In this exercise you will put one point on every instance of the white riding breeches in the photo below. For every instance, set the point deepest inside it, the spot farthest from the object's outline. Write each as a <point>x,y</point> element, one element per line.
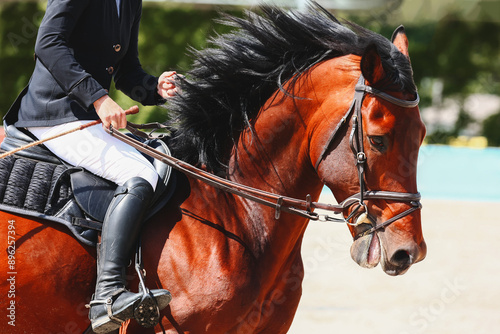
<point>98,152</point>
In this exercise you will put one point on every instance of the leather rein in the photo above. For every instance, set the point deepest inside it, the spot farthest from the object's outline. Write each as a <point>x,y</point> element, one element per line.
<point>303,208</point>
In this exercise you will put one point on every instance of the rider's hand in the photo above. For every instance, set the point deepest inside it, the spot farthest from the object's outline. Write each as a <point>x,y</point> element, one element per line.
<point>166,84</point>
<point>111,113</point>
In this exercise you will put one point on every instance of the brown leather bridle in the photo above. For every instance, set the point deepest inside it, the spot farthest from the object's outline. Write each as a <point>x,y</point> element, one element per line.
<point>303,208</point>
<point>356,144</point>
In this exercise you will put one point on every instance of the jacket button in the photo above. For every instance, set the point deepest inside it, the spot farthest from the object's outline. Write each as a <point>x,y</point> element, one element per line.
<point>110,70</point>
<point>117,47</point>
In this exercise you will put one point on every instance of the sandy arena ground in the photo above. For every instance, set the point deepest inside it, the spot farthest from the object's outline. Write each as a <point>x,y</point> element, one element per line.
<point>455,290</point>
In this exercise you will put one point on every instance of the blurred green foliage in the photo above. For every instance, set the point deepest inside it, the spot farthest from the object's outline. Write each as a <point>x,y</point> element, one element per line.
<point>491,129</point>
<point>464,54</point>
<point>18,27</point>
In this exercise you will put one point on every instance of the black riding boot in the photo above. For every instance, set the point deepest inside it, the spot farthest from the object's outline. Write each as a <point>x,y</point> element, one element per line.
<point>112,304</point>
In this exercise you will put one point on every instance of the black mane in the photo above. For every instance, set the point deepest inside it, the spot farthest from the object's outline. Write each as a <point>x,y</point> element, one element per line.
<point>231,81</point>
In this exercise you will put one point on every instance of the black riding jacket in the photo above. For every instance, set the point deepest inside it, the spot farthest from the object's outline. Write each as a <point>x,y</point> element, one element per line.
<point>81,45</point>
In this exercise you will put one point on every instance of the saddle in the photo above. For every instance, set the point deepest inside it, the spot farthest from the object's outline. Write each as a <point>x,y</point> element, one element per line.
<point>36,183</point>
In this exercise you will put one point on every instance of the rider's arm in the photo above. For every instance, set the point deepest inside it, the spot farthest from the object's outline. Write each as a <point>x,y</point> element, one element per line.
<point>53,51</point>
<point>130,78</point>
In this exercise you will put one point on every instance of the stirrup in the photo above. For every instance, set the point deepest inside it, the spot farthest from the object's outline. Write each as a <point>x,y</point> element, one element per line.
<point>147,312</point>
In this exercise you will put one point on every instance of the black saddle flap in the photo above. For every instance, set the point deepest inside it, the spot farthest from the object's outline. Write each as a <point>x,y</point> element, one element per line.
<point>92,193</point>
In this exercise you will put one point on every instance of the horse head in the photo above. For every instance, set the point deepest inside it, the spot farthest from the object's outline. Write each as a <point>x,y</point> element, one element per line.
<point>389,132</point>
<point>279,90</point>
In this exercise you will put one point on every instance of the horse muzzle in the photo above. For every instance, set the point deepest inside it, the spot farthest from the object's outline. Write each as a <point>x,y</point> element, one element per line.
<point>366,249</point>
<point>398,261</point>
<point>373,246</point>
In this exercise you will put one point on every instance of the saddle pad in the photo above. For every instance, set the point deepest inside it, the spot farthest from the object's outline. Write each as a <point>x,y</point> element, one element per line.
<point>43,190</point>
<point>67,195</point>
<point>31,184</point>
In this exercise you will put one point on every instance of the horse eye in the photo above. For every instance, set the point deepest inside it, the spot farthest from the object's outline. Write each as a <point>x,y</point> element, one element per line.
<point>377,142</point>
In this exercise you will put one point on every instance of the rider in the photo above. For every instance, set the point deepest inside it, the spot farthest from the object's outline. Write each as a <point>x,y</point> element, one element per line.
<point>82,45</point>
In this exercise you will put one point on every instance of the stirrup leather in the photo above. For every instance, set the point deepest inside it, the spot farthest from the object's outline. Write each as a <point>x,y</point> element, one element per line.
<point>147,313</point>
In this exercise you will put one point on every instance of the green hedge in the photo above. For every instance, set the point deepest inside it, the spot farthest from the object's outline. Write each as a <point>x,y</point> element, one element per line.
<point>18,26</point>
<point>491,129</point>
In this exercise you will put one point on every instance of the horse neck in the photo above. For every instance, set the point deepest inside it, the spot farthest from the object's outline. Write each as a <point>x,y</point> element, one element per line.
<point>274,158</point>
<point>275,155</point>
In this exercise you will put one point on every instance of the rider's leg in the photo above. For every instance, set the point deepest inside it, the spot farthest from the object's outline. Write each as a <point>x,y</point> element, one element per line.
<point>98,152</point>
<point>112,304</point>
<point>104,155</point>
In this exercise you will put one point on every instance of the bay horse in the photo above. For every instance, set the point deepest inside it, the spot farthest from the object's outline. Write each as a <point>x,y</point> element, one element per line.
<point>268,106</point>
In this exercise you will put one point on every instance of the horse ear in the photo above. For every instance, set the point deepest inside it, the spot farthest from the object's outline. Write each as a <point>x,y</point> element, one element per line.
<point>371,65</point>
<point>400,40</point>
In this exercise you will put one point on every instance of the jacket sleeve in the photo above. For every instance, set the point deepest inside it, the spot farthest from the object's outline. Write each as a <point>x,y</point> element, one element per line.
<point>130,77</point>
<point>53,52</point>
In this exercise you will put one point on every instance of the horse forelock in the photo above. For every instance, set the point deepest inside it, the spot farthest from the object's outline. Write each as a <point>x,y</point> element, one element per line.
<point>231,80</point>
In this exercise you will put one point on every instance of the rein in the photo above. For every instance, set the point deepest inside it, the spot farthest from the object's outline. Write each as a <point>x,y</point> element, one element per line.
<point>279,203</point>
<point>295,206</point>
<point>303,208</point>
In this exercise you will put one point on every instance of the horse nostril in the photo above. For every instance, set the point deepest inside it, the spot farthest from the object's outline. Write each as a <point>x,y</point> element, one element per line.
<point>402,258</point>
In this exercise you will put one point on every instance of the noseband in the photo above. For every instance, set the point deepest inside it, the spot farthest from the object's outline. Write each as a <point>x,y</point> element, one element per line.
<point>356,144</point>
